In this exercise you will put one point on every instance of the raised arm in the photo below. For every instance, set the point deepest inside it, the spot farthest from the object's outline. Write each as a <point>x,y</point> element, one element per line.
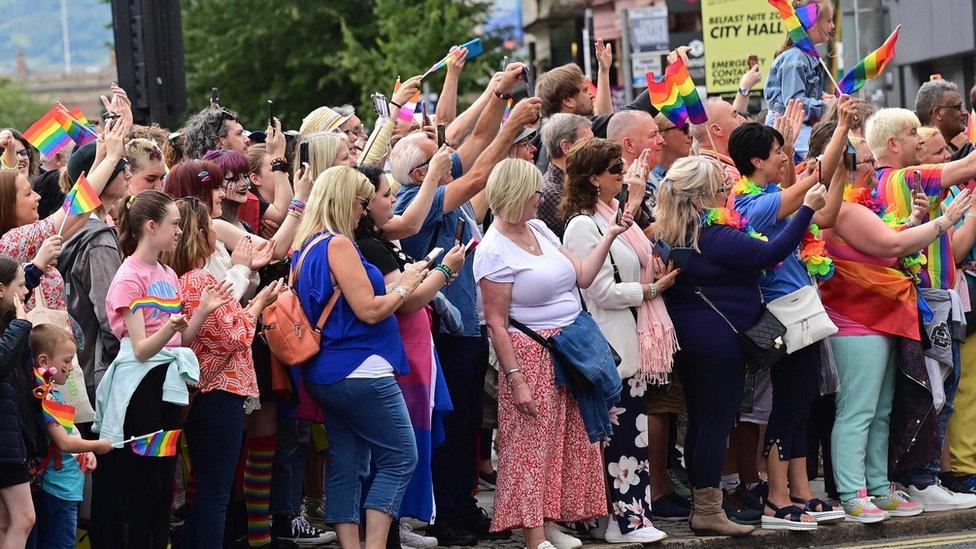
<point>347,268</point>
<point>487,126</point>
<point>964,237</point>
<point>959,171</point>
<point>749,79</point>
<point>459,129</point>
<point>283,193</point>
<point>407,224</point>
<point>603,103</point>
<point>581,238</point>
<point>464,188</point>
<point>588,267</point>
<point>447,102</point>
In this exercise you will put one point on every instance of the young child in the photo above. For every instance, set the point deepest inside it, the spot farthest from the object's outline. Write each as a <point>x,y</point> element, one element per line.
<point>62,474</point>
<point>16,511</point>
<point>145,388</point>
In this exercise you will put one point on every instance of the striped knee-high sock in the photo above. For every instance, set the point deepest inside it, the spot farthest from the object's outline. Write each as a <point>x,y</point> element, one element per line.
<point>257,489</point>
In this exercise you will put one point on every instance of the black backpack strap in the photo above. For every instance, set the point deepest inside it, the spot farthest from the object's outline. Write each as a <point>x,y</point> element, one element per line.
<point>529,332</point>
<point>613,264</point>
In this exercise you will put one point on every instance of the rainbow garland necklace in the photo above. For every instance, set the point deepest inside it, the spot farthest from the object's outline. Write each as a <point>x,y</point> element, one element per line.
<point>910,264</point>
<point>731,218</point>
<point>812,251</point>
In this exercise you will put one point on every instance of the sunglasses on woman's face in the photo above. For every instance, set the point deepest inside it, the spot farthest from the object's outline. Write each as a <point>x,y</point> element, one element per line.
<point>616,168</point>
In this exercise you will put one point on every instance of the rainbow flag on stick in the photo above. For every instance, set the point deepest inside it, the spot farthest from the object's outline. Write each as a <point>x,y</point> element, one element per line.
<point>410,107</point>
<point>158,444</point>
<point>78,115</point>
<point>794,27</point>
<point>871,66</point>
<point>665,98</point>
<point>81,199</point>
<point>47,134</point>
<point>677,72</point>
<point>807,15</point>
<point>52,410</point>
<point>80,133</point>
<point>172,306</point>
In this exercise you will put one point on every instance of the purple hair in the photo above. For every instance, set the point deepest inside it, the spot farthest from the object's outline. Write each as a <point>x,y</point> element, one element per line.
<point>228,161</point>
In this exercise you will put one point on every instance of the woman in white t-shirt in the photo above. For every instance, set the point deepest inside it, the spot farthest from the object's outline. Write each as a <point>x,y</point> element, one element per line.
<point>547,468</point>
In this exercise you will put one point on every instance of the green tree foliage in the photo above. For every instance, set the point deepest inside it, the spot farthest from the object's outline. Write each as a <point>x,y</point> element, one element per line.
<point>306,53</point>
<point>18,109</point>
<point>409,36</point>
<point>254,50</point>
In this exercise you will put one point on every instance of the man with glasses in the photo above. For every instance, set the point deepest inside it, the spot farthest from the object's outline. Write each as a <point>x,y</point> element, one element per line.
<point>677,144</point>
<point>523,147</point>
<point>939,104</point>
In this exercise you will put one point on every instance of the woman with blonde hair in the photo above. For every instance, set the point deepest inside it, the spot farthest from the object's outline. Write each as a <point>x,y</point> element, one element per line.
<point>352,378</point>
<point>548,469</point>
<point>715,297</point>
<point>326,150</point>
<point>625,301</point>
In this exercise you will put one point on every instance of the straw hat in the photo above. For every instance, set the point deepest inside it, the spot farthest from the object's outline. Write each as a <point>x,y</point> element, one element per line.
<point>322,119</point>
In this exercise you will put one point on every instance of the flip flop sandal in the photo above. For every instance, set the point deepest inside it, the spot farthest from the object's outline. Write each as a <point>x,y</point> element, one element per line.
<point>826,512</point>
<point>787,518</point>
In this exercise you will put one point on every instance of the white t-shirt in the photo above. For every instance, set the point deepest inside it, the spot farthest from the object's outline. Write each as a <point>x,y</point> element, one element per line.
<point>543,286</point>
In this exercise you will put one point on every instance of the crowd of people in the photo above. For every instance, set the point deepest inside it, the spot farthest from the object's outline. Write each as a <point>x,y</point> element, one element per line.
<point>540,282</point>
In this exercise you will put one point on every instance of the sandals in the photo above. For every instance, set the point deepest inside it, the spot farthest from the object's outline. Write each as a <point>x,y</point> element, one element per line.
<point>787,518</point>
<point>826,513</point>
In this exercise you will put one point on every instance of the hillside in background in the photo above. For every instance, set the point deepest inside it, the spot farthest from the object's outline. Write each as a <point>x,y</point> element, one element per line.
<point>34,27</point>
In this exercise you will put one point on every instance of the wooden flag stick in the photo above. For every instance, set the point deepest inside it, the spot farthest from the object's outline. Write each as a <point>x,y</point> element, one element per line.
<point>128,440</point>
<point>830,75</point>
<point>711,139</point>
<point>64,220</point>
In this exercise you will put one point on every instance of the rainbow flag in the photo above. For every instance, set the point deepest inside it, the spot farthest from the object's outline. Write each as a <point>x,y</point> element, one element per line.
<point>665,98</point>
<point>678,73</point>
<point>78,115</point>
<point>794,27</point>
<point>80,133</point>
<point>807,15</point>
<point>871,66</point>
<point>56,412</point>
<point>159,444</point>
<point>971,127</point>
<point>508,110</point>
<point>47,134</point>
<point>172,306</point>
<point>81,199</point>
<point>443,62</point>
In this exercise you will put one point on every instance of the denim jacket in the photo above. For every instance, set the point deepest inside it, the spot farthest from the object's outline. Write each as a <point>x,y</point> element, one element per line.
<point>796,75</point>
<point>593,359</point>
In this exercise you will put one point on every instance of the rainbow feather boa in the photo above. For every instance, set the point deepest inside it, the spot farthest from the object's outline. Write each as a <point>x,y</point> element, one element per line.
<point>812,251</point>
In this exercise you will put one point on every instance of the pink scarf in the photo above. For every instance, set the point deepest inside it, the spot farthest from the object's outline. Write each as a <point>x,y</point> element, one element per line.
<point>656,340</point>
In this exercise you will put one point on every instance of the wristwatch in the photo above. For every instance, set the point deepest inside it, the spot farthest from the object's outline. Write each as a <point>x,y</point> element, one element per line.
<point>744,91</point>
<point>503,96</point>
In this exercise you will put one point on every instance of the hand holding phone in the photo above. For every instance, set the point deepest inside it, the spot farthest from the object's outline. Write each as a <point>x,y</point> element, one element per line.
<point>752,60</point>
<point>431,258</point>
<point>441,136</point>
<point>470,246</point>
<point>662,250</point>
<point>271,123</point>
<point>917,181</point>
<point>458,232</point>
<point>303,152</point>
<point>622,198</point>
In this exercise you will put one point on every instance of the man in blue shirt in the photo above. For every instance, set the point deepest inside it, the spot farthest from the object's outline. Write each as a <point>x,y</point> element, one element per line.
<point>464,355</point>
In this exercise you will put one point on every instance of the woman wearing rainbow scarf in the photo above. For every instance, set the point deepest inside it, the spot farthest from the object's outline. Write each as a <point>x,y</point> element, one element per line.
<point>721,258</point>
<point>873,301</point>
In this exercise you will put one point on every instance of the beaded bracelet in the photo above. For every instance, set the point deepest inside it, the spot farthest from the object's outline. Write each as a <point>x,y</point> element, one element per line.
<point>296,205</point>
<point>446,271</point>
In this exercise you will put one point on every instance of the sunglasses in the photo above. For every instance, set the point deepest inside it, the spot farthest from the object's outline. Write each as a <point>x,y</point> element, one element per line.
<point>616,168</point>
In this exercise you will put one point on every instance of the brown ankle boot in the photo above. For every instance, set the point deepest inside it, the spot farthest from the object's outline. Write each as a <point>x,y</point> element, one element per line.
<point>708,518</point>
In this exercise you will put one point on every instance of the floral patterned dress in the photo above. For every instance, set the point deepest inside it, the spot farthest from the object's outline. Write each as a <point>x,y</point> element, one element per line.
<point>22,244</point>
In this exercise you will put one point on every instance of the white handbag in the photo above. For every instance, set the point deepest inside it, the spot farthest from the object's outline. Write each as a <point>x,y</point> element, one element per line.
<point>804,316</point>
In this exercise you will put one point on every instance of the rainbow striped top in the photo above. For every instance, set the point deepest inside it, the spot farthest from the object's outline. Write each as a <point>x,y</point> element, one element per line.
<point>896,194</point>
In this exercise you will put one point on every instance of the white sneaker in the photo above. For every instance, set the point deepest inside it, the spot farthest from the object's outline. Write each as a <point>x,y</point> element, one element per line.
<point>939,498</point>
<point>558,538</point>
<point>409,538</point>
<point>544,545</point>
<point>647,534</point>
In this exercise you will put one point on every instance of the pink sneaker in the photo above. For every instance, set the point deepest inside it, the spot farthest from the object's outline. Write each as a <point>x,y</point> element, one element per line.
<point>862,509</point>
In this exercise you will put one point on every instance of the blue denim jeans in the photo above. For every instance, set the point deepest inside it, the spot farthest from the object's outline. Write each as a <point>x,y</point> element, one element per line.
<point>928,474</point>
<point>367,421</point>
<point>57,522</point>
<point>288,467</point>
<point>214,433</point>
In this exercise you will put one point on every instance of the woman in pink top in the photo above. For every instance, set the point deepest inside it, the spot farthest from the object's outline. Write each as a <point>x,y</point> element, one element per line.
<point>872,300</point>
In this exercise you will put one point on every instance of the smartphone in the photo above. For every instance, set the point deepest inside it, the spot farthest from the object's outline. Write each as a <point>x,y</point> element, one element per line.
<point>475,48</point>
<point>441,136</point>
<point>752,60</point>
<point>303,153</point>
<point>470,246</point>
<point>431,258</point>
<point>850,157</point>
<point>505,62</point>
<point>917,183</point>
<point>214,95</point>
<point>680,257</point>
<point>662,250</point>
<point>423,112</point>
<point>458,232</point>
<point>622,198</point>
<point>529,84</point>
<point>271,123</point>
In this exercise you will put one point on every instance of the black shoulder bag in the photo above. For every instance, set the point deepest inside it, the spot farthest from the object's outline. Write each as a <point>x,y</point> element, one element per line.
<point>762,345</point>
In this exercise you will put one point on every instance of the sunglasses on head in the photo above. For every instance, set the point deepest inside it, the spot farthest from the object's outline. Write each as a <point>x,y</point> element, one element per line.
<point>616,168</point>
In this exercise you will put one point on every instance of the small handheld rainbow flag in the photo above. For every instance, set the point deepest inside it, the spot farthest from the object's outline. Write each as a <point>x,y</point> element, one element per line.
<point>158,444</point>
<point>47,134</point>
<point>52,410</point>
<point>677,72</point>
<point>80,133</point>
<point>665,98</point>
<point>807,15</point>
<point>794,27</point>
<point>78,115</point>
<point>172,306</point>
<point>508,110</point>
<point>871,66</point>
<point>81,199</point>
<point>443,62</point>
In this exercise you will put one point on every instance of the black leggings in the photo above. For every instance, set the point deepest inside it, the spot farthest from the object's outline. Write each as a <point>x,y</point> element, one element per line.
<point>794,381</point>
<point>713,389</point>
<point>132,494</point>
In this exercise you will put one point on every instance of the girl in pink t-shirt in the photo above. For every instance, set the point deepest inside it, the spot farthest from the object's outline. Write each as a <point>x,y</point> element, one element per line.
<point>144,309</point>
